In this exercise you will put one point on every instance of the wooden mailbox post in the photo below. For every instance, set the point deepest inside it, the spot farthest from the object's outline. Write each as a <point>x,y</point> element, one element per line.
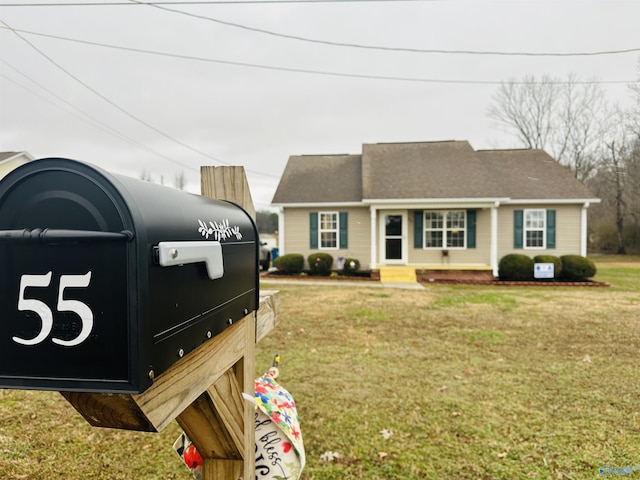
<point>202,391</point>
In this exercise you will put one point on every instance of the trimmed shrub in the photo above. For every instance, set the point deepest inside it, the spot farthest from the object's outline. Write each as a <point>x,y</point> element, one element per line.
<point>320,264</point>
<point>577,267</point>
<point>291,263</point>
<point>515,266</point>
<point>348,269</point>
<point>557,263</point>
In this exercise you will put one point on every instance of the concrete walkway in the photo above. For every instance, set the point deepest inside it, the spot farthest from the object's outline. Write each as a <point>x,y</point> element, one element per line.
<point>346,283</point>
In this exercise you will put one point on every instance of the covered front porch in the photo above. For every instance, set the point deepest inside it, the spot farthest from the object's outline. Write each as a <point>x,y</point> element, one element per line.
<point>401,238</point>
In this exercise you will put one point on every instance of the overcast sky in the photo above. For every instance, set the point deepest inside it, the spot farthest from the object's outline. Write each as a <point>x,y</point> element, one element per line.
<point>200,88</point>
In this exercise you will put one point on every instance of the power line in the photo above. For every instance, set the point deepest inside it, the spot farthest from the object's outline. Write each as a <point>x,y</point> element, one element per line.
<point>300,70</point>
<point>160,5</point>
<point>121,109</point>
<point>204,2</point>
<point>389,49</point>
<point>78,113</point>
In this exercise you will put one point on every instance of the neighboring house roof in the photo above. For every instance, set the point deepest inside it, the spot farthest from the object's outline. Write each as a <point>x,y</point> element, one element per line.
<point>427,170</point>
<point>12,160</point>
<point>8,156</point>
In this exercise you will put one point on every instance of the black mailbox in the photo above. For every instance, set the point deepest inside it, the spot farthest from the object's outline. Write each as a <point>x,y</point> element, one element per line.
<point>106,281</point>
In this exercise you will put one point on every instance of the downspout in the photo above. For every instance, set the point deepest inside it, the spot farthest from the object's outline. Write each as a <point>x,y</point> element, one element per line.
<point>494,239</point>
<point>374,242</point>
<point>583,233</point>
<point>281,231</point>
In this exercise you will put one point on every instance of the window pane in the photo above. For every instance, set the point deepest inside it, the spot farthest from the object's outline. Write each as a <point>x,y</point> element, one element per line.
<point>455,238</point>
<point>328,240</point>
<point>445,229</point>
<point>535,219</point>
<point>535,238</point>
<point>534,227</point>
<point>328,230</point>
<point>433,220</point>
<point>455,220</point>
<point>393,248</point>
<point>328,221</point>
<point>434,239</point>
<point>393,225</point>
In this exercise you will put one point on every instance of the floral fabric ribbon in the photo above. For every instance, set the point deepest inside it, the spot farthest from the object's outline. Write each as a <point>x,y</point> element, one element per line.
<point>279,446</point>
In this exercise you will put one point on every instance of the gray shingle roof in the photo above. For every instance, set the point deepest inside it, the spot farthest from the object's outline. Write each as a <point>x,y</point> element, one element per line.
<point>531,174</point>
<point>426,170</point>
<point>423,170</point>
<point>321,178</point>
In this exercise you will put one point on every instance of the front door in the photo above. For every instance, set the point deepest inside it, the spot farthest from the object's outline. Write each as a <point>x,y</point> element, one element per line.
<point>394,238</point>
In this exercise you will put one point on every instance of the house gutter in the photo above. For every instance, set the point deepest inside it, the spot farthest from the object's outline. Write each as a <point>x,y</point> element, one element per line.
<point>318,205</point>
<point>418,203</point>
<point>281,230</point>
<point>551,201</point>
<point>584,233</point>
<point>374,237</point>
<point>493,255</point>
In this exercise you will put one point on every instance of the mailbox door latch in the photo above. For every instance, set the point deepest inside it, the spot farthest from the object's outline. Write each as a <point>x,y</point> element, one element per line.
<point>181,253</point>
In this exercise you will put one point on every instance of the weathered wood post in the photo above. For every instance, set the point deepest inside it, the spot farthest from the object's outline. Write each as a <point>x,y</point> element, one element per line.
<point>202,390</point>
<point>228,445</point>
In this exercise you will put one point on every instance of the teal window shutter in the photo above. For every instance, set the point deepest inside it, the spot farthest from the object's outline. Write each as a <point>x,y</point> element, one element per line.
<point>313,230</point>
<point>418,228</point>
<point>344,230</point>
<point>518,228</point>
<point>471,229</point>
<point>551,229</point>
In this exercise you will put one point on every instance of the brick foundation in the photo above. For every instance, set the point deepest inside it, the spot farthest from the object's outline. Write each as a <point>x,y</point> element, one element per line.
<point>456,276</point>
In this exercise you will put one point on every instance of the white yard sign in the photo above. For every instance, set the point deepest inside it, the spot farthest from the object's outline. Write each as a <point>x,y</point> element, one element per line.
<point>543,270</point>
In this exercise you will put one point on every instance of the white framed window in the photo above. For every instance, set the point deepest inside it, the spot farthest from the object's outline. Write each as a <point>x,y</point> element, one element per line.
<point>445,229</point>
<point>535,228</point>
<point>433,231</point>
<point>328,229</point>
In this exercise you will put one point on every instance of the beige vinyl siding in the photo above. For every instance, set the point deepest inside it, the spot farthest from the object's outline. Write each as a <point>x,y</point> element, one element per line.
<point>296,233</point>
<point>481,255</point>
<point>568,230</point>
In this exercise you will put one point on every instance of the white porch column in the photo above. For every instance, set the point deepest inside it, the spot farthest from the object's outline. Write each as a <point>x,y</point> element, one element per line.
<point>583,228</point>
<point>374,237</point>
<point>494,239</point>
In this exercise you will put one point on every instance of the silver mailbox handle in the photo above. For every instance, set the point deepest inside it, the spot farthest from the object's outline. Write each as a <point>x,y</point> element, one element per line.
<point>180,253</point>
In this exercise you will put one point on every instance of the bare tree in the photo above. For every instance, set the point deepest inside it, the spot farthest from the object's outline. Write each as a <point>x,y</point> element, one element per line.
<point>633,176</point>
<point>633,168</point>
<point>525,109</point>
<point>632,124</point>
<point>146,176</point>
<point>633,114</point>
<point>584,121</point>
<point>180,181</point>
<point>567,118</point>
<point>618,175</point>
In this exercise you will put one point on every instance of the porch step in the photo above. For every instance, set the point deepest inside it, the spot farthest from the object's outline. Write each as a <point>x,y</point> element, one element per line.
<point>397,274</point>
